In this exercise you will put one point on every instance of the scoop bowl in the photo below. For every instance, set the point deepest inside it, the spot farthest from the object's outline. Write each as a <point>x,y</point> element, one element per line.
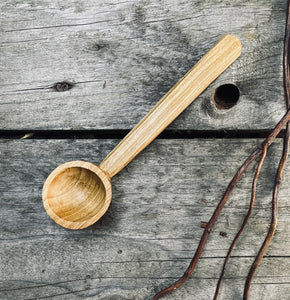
<point>77,194</point>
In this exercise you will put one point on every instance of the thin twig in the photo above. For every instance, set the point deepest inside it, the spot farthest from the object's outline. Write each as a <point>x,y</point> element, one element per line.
<point>253,195</point>
<point>274,220</point>
<point>281,166</point>
<point>256,153</point>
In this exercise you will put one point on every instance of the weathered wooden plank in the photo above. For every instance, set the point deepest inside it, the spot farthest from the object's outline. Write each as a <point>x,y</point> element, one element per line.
<point>149,233</point>
<point>141,286</point>
<point>122,56</point>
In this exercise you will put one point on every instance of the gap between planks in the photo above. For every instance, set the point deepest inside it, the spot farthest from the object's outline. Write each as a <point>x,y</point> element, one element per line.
<point>121,133</point>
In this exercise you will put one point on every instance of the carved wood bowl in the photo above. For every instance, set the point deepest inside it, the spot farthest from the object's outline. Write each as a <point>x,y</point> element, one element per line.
<point>76,194</point>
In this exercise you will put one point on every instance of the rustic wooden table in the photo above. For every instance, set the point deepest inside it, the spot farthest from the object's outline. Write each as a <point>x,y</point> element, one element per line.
<point>117,59</point>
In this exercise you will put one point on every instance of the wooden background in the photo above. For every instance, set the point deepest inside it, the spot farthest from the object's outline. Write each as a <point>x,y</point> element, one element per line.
<point>119,58</point>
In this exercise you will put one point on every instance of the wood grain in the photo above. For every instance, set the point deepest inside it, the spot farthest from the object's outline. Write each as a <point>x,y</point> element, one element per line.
<point>119,58</point>
<point>123,56</point>
<point>151,229</point>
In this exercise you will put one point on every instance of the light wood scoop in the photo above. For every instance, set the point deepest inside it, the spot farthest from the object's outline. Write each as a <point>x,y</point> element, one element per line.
<point>76,194</point>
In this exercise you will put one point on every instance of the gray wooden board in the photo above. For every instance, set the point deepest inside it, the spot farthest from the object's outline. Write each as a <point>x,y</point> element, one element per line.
<point>123,56</point>
<point>149,234</point>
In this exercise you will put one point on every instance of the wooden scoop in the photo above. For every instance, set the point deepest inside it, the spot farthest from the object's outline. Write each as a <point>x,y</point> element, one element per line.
<point>76,194</point>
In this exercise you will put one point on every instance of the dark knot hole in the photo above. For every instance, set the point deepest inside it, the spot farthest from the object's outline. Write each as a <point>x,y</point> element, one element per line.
<point>226,96</point>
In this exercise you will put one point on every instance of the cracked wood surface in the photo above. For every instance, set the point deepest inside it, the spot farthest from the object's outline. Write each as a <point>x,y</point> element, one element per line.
<point>122,56</point>
<point>151,229</point>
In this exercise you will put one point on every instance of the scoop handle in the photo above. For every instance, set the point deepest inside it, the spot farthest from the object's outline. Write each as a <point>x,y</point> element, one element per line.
<point>188,88</point>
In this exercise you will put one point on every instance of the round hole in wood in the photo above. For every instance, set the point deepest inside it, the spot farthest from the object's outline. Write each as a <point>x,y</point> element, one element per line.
<point>226,96</point>
<point>76,194</point>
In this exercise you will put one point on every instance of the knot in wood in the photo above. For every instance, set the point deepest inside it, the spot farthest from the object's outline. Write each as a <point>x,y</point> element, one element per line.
<point>62,86</point>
